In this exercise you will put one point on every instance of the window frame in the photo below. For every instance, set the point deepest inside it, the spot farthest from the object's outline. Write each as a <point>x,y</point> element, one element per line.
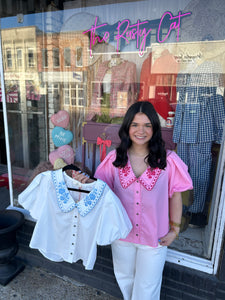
<point>55,57</point>
<point>19,59</point>
<point>9,52</point>
<point>67,57</point>
<point>44,53</point>
<point>30,58</point>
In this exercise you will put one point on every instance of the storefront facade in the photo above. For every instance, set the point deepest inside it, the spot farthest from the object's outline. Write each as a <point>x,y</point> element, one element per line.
<point>69,71</point>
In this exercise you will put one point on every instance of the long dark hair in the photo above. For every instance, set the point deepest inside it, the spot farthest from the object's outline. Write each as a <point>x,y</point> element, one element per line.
<point>157,153</point>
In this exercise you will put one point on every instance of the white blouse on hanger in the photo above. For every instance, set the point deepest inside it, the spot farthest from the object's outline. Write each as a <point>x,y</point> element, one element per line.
<point>71,224</point>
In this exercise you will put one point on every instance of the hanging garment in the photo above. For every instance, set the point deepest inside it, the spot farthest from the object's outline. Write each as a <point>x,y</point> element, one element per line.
<point>198,157</point>
<point>70,224</point>
<point>199,120</point>
<point>157,82</point>
<point>123,79</point>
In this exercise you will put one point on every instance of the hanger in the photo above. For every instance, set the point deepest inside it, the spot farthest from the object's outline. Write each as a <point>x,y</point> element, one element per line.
<point>71,167</point>
<point>75,168</point>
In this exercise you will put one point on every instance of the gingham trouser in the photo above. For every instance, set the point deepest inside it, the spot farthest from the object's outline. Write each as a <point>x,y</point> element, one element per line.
<point>198,158</point>
<point>138,270</point>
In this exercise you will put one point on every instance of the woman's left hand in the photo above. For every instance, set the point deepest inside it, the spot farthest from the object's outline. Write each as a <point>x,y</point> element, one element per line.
<point>175,210</point>
<point>168,239</point>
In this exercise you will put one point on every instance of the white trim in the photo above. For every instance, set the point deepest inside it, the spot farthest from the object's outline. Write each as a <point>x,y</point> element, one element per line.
<point>190,261</point>
<point>219,233</point>
<point>219,207</point>
<point>217,204</point>
<point>9,167</point>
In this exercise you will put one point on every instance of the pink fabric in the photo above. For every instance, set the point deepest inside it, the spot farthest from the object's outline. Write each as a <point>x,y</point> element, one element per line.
<point>123,80</point>
<point>146,198</point>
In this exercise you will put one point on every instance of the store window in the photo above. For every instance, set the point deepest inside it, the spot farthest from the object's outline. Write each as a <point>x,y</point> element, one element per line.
<point>19,57</point>
<point>44,58</point>
<point>30,58</point>
<point>67,57</point>
<point>79,57</point>
<point>9,58</point>
<point>55,53</point>
<point>96,60</point>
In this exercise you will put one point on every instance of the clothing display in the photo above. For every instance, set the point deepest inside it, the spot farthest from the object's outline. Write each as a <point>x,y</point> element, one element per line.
<point>198,158</point>
<point>122,79</point>
<point>199,119</point>
<point>70,224</point>
<point>158,82</point>
<point>146,198</point>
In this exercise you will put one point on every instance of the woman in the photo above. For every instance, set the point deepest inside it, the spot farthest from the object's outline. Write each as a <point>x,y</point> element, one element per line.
<point>149,181</point>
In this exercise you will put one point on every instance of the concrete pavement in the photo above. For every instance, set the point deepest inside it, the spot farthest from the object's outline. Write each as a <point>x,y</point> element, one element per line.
<point>39,284</point>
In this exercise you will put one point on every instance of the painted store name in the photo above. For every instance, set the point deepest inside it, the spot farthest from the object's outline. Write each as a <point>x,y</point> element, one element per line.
<point>127,31</point>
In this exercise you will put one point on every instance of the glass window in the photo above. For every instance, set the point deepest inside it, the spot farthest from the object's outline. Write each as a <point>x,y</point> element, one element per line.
<point>9,58</point>
<point>30,58</point>
<point>96,60</point>
<point>19,56</point>
<point>44,58</point>
<point>55,53</point>
<point>67,57</point>
<point>79,57</point>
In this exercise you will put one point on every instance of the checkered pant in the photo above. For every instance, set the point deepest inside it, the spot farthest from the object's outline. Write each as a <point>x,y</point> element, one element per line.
<point>198,158</point>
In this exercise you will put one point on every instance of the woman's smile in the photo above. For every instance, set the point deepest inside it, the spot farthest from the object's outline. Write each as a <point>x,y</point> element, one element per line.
<point>140,130</point>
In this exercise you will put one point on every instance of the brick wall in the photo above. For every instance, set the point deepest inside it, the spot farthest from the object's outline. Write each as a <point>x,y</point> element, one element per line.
<point>178,282</point>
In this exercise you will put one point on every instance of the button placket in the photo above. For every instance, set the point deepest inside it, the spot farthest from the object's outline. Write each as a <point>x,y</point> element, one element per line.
<point>137,207</point>
<point>73,240</point>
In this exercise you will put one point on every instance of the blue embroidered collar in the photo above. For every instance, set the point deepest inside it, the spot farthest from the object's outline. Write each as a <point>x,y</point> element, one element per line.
<point>65,201</point>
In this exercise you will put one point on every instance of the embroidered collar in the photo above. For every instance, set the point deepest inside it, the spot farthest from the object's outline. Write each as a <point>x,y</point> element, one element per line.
<point>65,201</point>
<point>147,179</point>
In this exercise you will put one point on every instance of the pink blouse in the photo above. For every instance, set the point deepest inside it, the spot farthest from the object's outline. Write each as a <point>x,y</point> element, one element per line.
<point>146,198</point>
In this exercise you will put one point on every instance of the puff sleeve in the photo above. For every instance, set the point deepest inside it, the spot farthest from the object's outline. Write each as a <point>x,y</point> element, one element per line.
<point>179,178</point>
<point>106,171</point>
<point>32,197</point>
<point>114,223</point>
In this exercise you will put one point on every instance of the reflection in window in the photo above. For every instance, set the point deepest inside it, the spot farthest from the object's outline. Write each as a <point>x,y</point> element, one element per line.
<point>19,58</point>
<point>9,58</point>
<point>79,57</point>
<point>53,92</point>
<point>74,94</point>
<point>67,57</point>
<point>44,58</point>
<point>66,94</point>
<point>30,58</point>
<point>55,54</point>
<point>164,33</point>
<point>153,35</point>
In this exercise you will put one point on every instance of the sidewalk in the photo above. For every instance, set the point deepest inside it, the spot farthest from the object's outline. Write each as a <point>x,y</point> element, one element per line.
<point>38,284</point>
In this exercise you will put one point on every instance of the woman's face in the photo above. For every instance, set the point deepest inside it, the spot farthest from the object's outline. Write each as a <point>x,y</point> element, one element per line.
<point>140,130</point>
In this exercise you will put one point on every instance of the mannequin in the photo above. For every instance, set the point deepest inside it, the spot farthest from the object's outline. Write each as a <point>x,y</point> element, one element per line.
<point>157,83</point>
<point>115,87</point>
<point>106,83</point>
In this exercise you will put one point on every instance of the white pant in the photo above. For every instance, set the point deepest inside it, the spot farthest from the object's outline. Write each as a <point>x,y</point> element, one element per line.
<point>138,270</point>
